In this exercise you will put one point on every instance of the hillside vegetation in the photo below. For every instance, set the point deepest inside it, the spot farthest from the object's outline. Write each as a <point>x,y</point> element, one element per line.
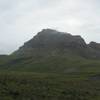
<point>51,66</point>
<point>38,86</point>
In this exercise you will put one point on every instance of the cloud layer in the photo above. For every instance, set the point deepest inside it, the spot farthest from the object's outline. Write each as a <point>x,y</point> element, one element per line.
<point>20,20</point>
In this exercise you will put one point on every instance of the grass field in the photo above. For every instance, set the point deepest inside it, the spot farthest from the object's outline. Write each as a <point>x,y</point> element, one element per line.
<point>42,86</point>
<point>52,78</point>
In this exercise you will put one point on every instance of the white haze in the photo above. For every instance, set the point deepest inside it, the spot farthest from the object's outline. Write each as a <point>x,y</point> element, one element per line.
<point>20,20</point>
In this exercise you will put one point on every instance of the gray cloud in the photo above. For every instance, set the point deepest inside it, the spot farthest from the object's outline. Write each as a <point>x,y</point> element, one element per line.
<point>20,20</point>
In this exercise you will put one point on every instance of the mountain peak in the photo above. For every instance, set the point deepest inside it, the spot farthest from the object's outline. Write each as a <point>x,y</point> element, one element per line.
<point>49,31</point>
<point>49,41</point>
<point>50,38</point>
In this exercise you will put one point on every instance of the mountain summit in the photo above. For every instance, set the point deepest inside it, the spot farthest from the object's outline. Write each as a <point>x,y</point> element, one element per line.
<point>54,51</point>
<point>52,42</point>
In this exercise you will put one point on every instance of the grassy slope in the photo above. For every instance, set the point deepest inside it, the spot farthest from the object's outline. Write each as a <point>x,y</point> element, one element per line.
<point>56,64</point>
<point>74,80</point>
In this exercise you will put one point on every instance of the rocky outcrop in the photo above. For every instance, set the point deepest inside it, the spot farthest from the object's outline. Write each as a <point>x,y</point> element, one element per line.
<point>48,38</point>
<point>94,45</point>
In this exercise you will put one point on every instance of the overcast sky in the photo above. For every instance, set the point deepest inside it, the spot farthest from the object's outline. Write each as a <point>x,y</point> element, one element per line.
<point>20,20</point>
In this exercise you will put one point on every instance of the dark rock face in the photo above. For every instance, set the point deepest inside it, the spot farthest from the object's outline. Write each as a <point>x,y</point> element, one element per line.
<point>94,45</point>
<point>94,49</point>
<point>53,39</point>
<point>50,41</point>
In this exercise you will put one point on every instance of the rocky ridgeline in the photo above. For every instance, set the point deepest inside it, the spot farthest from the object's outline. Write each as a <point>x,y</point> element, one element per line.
<point>49,40</point>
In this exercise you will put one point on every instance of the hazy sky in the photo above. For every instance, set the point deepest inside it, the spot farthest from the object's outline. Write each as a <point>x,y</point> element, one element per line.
<point>20,20</point>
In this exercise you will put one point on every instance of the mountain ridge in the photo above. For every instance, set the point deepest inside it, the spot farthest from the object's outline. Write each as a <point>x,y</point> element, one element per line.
<point>49,39</point>
<point>54,52</point>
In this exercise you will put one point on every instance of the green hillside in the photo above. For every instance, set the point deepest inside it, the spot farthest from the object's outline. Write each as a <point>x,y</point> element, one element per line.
<point>54,52</point>
<point>56,64</point>
<point>51,66</point>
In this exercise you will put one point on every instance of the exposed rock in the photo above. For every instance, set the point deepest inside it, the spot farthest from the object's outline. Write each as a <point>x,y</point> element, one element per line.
<point>52,42</point>
<point>94,45</point>
<point>48,38</point>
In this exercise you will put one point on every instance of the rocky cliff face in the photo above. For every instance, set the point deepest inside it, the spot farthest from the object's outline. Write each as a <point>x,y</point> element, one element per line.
<point>50,42</point>
<point>95,46</point>
<point>53,39</point>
